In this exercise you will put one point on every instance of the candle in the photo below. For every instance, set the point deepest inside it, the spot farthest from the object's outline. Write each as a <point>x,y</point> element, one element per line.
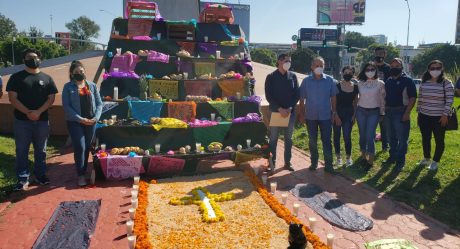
<point>131,242</point>
<point>213,116</point>
<point>134,203</point>
<point>157,148</point>
<point>159,36</point>
<point>296,209</point>
<point>205,39</point>
<point>238,95</point>
<point>114,118</point>
<point>115,91</point>
<point>134,193</point>
<point>264,178</point>
<point>312,222</point>
<point>217,54</point>
<point>103,147</point>
<point>273,187</point>
<point>242,55</point>
<point>248,143</point>
<point>115,69</point>
<point>284,198</point>
<point>198,147</point>
<point>185,75</point>
<point>136,180</point>
<point>129,227</point>
<point>132,213</point>
<point>118,51</point>
<point>330,240</point>
<point>136,188</point>
<point>147,152</point>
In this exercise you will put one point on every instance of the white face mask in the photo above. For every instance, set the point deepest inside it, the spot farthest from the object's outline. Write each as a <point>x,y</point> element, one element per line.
<point>286,66</point>
<point>318,70</point>
<point>435,73</point>
<point>370,75</point>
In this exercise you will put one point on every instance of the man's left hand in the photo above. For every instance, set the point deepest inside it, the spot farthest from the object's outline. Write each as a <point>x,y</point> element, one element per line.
<point>405,117</point>
<point>34,115</point>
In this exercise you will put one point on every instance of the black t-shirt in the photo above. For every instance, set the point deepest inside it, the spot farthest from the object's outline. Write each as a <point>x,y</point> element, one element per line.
<point>33,91</point>
<point>86,106</point>
<point>383,71</point>
<point>345,99</point>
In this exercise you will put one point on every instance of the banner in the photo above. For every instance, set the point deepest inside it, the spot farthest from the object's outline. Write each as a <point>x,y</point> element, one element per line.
<point>333,12</point>
<point>123,167</point>
<point>198,88</point>
<point>168,89</point>
<point>165,165</point>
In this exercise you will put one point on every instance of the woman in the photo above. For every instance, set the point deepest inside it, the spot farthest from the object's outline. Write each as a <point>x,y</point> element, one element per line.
<point>346,105</point>
<point>371,109</point>
<point>83,106</point>
<point>436,95</point>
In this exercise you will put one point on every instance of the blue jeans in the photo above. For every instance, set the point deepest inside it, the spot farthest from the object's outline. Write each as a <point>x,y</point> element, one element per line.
<point>25,133</point>
<point>384,134</point>
<point>81,135</point>
<point>346,117</point>
<point>367,120</point>
<point>398,132</point>
<point>325,127</point>
<point>274,133</point>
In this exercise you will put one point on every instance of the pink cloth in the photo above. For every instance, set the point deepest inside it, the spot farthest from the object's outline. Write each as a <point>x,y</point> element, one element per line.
<point>157,56</point>
<point>124,63</point>
<point>165,165</point>
<point>142,38</point>
<point>121,167</point>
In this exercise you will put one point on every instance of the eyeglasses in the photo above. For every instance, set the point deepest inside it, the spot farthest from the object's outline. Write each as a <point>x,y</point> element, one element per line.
<point>435,68</point>
<point>370,70</point>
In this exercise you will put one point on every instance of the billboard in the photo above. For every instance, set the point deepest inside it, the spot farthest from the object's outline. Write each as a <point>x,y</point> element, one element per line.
<point>307,34</point>
<point>333,12</point>
<point>63,38</point>
<point>241,12</point>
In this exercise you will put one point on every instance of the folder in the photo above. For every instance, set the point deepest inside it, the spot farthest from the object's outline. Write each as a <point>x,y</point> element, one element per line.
<point>278,121</point>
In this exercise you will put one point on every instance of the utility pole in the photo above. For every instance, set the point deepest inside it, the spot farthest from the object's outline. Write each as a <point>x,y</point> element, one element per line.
<point>12,49</point>
<point>51,19</point>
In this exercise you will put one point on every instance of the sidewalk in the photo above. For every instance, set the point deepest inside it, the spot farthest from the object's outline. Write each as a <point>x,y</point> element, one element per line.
<point>22,221</point>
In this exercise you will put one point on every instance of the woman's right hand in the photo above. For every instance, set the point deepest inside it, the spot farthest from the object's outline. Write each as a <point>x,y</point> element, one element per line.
<point>86,121</point>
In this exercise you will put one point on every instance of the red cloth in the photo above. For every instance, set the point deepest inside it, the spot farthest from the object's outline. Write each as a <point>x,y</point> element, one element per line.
<point>198,88</point>
<point>165,165</point>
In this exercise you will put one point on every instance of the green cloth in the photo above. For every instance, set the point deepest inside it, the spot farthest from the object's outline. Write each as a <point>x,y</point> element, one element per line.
<point>207,135</point>
<point>205,68</point>
<point>390,244</point>
<point>225,109</point>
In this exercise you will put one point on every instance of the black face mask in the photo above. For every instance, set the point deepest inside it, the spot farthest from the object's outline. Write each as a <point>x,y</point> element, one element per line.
<point>395,71</point>
<point>347,77</point>
<point>378,59</point>
<point>78,76</point>
<point>32,63</point>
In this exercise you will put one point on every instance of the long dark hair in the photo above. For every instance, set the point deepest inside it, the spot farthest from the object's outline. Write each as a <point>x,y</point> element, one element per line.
<point>362,75</point>
<point>427,75</point>
<point>74,65</point>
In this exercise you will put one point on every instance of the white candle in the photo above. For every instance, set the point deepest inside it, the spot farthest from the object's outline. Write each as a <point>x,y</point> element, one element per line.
<point>103,147</point>
<point>264,178</point>
<point>115,91</point>
<point>131,242</point>
<point>157,148</point>
<point>129,227</point>
<point>217,54</point>
<point>147,152</point>
<point>296,209</point>
<point>205,39</point>
<point>136,180</point>
<point>185,75</point>
<point>248,143</point>
<point>213,116</point>
<point>238,95</point>
<point>115,69</point>
<point>132,213</point>
<point>134,203</point>
<point>136,188</point>
<point>134,193</point>
<point>273,187</point>
<point>330,240</point>
<point>198,147</point>
<point>284,198</point>
<point>312,223</point>
<point>114,118</point>
<point>159,36</point>
<point>118,51</point>
<point>242,55</point>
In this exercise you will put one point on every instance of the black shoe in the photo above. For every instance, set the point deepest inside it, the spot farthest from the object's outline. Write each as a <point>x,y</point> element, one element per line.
<point>289,167</point>
<point>42,180</point>
<point>21,185</point>
<point>330,170</point>
<point>399,166</point>
<point>312,167</point>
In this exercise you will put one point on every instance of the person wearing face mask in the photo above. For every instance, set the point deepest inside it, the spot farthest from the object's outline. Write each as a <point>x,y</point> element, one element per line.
<point>346,105</point>
<point>282,94</point>
<point>383,72</point>
<point>370,109</point>
<point>436,96</point>
<point>401,94</point>
<point>83,107</point>
<point>318,109</point>
<point>31,92</point>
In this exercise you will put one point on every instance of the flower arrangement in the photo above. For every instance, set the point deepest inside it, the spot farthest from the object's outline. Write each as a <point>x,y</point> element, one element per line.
<point>140,220</point>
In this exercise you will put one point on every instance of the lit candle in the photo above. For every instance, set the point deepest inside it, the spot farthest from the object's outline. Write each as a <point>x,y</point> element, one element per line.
<point>248,143</point>
<point>132,213</point>
<point>273,187</point>
<point>157,148</point>
<point>115,92</point>
<point>264,178</point>
<point>103,147</point>
<point>136,180</point>
<point>238,95</point>
<point>129,227</point>
<point>330,240</point>
<point>296,209</point>
<point>312,223</point>
<point>131,242</point>
<point>134,203</point>
<point>198,147</point>
<point>284,198</point>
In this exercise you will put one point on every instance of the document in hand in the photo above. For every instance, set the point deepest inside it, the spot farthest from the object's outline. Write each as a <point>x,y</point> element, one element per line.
<point>277,120</point>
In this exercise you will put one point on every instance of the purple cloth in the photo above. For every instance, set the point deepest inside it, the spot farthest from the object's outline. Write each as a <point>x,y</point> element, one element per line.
<point>253,98</point>
<point>157,56</point>
<point>185,67</point>
<point>132,75</point>
<point>208,48</point>
<point>250,117</point>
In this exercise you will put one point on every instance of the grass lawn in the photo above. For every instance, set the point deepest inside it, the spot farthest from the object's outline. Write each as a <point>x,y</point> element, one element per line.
<point>8,157</point>
<point>434,193</point>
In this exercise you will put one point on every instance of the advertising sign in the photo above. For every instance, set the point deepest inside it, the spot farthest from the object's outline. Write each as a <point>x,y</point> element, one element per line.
<point>333,12</point>
<point>307,34</point>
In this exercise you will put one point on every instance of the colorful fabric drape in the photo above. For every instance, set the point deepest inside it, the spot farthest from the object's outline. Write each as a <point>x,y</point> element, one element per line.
<point>231,87</point>
<point>121,167</point>
<point>205,68</point>
<point>157,56</point>
<point>198,88</point>
<point>144,110</point>
<point>207,48</point>
<point>139,27</point>
<point>168,89</point>
<point>125,63</point>
<point>165,165</point>
<point>170,123</point>
<point>225,109</point>
<point>182,110</point>
<point>187,46</point>
<point>185,66</point>
<point>207,135</point>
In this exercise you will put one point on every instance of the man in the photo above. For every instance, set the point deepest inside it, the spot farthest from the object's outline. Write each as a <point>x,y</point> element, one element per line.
<point>457,87</point>
<point>400,99</point>
<point>31,92</point>
<point>282,93</point>
<point>318,109</point>
<point>383,68</point>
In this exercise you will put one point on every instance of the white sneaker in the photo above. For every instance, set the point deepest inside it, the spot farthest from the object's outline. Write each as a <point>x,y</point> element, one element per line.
<point>349,162</point>
<point>433,166</point>
<point>425,161</point>
<point>339,162</point>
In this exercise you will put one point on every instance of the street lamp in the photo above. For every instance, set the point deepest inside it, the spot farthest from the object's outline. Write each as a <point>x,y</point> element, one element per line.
<point>408,23</point>
<point>108,12</point>
<point>12,49</point>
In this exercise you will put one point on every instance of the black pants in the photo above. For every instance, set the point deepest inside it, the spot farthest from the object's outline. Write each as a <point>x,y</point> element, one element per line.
<point>430,125</point>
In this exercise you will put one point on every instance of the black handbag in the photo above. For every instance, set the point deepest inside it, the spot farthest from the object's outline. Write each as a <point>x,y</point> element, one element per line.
<point>452,124</point>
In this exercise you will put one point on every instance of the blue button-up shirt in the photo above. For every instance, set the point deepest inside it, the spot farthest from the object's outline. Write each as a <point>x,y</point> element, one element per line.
<point>317,95</point>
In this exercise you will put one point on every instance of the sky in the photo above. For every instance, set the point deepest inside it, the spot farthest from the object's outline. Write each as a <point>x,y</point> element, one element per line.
<point>272,21</point>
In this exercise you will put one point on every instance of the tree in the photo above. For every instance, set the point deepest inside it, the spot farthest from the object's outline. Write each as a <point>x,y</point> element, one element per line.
<point>367,55</point>
<point>264,56</point>
<point>301,60</point>
<point>446,53</point>
<point>85,29</point>
<point>36,32</point>
<point>356,39</point>
<point>7,27</point>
